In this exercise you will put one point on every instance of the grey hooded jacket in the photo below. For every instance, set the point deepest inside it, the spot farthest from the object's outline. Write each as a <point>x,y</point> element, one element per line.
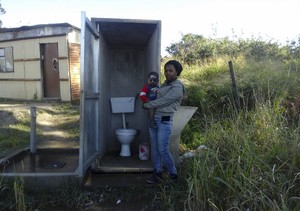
<point>169,98</point>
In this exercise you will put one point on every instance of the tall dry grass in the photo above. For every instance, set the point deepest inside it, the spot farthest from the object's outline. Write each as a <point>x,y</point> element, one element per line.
<point>253,159</point>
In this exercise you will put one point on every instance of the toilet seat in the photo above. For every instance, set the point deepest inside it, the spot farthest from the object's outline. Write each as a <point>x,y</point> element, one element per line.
<point>122,131</point>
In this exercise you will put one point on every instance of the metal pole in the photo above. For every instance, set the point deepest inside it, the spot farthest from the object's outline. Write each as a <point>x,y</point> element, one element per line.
<point>33,130</point>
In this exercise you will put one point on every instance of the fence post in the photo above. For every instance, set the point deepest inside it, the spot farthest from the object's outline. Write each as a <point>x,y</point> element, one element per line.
<point>234,87</point>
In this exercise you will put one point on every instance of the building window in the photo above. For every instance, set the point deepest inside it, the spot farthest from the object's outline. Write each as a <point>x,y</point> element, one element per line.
<point>6,60</point>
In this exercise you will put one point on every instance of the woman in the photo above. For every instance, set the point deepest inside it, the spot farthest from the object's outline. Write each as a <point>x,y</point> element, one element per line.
<point>169,97</point>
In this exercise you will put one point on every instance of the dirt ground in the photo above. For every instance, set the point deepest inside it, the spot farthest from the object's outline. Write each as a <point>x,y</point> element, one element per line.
<point>46,122</point>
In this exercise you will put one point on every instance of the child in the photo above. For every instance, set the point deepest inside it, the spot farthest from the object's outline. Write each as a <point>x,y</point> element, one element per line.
<point>148,93</point>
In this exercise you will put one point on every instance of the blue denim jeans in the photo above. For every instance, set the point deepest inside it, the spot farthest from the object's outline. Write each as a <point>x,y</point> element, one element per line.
<point>160,139</point>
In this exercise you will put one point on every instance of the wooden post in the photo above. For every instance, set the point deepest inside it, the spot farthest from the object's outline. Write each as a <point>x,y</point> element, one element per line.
<point>234,87</point>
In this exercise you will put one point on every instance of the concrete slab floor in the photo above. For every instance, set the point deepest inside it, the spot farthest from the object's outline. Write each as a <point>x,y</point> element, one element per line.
<point>114,163</point>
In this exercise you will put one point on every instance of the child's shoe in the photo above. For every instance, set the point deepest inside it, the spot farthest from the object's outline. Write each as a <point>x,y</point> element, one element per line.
<point>174,177</point>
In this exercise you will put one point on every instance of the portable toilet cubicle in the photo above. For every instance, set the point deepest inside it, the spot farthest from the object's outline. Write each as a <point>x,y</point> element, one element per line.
<point>116,56</point>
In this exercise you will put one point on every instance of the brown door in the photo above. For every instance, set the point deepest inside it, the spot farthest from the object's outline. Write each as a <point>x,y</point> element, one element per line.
<point>50,70</point>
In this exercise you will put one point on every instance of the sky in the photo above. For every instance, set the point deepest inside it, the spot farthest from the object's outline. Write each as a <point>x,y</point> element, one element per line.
<point>275,20</point>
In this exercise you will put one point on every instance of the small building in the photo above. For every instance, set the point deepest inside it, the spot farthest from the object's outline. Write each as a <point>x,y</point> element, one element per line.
<point>40,62</point>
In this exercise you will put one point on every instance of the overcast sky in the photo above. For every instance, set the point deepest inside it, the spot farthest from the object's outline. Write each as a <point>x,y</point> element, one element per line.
<point>270,19</point>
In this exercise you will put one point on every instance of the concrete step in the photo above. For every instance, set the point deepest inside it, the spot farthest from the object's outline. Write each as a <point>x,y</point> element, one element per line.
<point>95,180</point>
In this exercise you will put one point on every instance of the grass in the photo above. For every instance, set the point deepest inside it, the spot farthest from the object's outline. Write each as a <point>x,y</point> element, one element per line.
<point>242,169</point>
<point>19,194</point>
<point>253,161</point>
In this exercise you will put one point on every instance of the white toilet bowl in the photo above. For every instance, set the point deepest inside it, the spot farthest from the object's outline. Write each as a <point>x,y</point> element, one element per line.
<point>125,137</point>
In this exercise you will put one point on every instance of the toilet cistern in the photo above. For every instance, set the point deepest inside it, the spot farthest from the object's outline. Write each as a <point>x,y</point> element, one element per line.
<point>124,135</point>
<point>122,105</point>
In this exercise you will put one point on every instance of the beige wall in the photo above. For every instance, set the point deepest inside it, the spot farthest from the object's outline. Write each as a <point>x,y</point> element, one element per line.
<point>25,82</point>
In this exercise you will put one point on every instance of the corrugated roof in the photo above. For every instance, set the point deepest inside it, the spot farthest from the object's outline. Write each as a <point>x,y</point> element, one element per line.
<point>41,30</point>
<point>24,28</point>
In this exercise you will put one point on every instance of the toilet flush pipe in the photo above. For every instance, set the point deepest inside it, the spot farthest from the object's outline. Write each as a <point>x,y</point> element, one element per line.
<point>124,122</point>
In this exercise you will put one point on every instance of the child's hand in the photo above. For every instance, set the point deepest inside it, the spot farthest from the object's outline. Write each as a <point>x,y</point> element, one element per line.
<point>137,96</point>
<point>143,106</point>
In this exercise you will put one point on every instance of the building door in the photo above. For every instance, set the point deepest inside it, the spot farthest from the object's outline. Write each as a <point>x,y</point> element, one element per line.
<point>50,70</point>
<point>89,98</point>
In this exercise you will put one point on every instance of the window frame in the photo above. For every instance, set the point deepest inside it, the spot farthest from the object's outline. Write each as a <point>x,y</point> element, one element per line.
<point>6,59</point>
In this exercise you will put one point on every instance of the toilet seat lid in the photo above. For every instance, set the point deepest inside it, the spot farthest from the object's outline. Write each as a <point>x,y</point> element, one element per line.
<point>126,131</point>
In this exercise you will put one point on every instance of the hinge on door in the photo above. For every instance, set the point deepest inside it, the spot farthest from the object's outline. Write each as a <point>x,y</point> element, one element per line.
<point>91,95</point>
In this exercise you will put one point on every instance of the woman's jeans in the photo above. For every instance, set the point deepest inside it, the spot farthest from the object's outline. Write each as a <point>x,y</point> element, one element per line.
<point>160,139</point>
